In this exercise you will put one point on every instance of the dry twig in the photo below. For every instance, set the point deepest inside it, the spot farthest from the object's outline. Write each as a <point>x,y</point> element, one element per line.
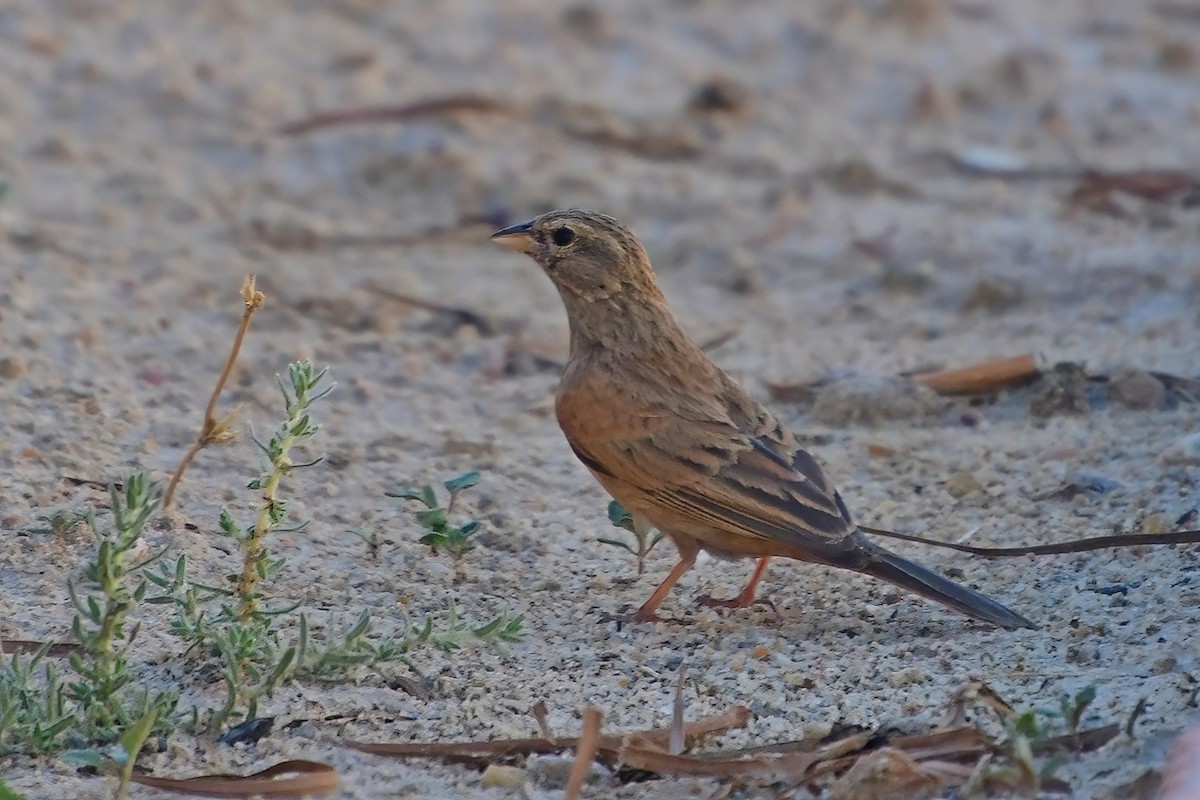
<point>215,430</point>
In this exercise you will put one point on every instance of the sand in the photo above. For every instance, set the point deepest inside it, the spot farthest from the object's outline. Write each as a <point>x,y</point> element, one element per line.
<point>807,202</point>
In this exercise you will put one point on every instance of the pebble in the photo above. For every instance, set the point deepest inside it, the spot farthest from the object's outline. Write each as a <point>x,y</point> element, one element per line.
<point>12,367</point>
<point>1185,450</point>
<point>962,484</point>
<point>1138,390</point>
<point>502,776</point>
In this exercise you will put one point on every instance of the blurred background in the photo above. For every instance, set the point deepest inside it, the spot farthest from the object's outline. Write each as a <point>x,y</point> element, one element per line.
<point>826,187</point>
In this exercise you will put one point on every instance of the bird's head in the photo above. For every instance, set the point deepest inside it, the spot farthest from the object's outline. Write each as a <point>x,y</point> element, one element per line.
<point>590,257</point>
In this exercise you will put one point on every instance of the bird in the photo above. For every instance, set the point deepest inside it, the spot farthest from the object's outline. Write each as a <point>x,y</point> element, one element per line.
<point>679,443</point>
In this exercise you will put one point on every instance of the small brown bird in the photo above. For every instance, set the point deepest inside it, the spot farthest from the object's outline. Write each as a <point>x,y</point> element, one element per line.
<point>681,445</point>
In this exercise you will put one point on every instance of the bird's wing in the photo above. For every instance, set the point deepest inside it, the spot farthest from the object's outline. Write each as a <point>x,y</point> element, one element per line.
<point>702,466</point>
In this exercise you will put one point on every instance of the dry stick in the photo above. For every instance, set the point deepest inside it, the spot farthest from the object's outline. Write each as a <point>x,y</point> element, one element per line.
<point>1073,546</point>
<point>216,430</point>
<point>542,714</point>
<point>987,376</point>
<point>56,650</point>
<point>589,743</point>
<point>286,779</point>
<point>675,744</point>
<point>435,107</point>
<point>735,717</point>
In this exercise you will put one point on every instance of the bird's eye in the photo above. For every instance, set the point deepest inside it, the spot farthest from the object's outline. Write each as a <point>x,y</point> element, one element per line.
<point>563,236</point>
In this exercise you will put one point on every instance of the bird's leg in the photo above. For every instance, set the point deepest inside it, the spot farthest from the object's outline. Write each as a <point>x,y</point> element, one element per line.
<point>649,610</point>
<point>745,598</point>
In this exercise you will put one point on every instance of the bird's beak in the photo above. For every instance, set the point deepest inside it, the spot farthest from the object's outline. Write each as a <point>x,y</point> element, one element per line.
<point>516,237</point>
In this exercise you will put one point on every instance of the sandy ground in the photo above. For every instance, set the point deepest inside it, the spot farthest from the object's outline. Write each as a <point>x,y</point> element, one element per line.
<point>808,205</point>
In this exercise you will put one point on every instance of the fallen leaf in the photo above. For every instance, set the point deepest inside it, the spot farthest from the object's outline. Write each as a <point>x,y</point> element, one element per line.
<point>286,779</point>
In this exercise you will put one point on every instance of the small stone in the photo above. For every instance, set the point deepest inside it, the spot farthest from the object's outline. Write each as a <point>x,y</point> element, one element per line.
<point>761,652</point>
<point>719,94</point>
<point>1138,390</point>
<point>1185,450</point>
<point>12,367</point>
<point>994,295</point>
<point>961,485</point>
<point>1178,55</point>
<point>916,15</point>
<point>1155,523</point>
<point>552,772</point>
<point>503,777</point>
<point>879,450</point>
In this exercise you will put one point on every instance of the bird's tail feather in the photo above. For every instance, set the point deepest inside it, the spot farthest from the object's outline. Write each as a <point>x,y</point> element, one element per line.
<point>927,583</point>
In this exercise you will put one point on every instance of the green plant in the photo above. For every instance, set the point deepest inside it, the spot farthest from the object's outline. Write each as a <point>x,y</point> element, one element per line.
<point>102,699</point>
<point>245,636</point>
<point>34,712</point>
<point>258,647</point>
<point>61,523</point>
<point>501,630</point>
<point>435,518</point>
<point>8,794</point>
<point>121,757</point>
<point>113,586</point>
<point>1028,735</point>
<point>645,538</point>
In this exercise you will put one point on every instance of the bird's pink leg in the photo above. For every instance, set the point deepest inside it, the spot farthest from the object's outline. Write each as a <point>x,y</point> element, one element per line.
<point>745,598</point>
<point>649,610</point>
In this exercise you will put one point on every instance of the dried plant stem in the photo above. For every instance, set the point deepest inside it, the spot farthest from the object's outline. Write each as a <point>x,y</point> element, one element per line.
<point>585,752</point>
<point>215,430</point>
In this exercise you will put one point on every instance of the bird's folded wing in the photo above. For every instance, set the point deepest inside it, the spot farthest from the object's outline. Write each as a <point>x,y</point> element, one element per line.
<point>714,475</point>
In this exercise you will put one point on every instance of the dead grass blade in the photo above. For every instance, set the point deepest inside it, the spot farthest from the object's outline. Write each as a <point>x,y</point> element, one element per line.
<point>286,779</point>
<point>887,773</point>
<point>640,754</point>
<point>459,315</point>
<point>1081,741</point>
<point>434,107</point>
<point>542,714</point>
<point>585,752</point>
<point>662,140</point>
<point>57,650</point>
<point>1096,190</point>
<point>1072,546</point>
<point>215,430</point>
<point>982,378</point>
<point>736,717</point>
<point>675,743</point>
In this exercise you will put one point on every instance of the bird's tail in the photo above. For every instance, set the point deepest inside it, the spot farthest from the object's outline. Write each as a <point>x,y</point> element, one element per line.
<point>927,583</point>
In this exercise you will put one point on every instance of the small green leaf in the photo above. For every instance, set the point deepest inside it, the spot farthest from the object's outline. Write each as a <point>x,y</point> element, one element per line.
<point>135,737</point>
<point>429,496</point>
<point>464,481</point>
<point>88,758</point>
<point>227,523</point>
<point>406,493</point>
<point>619,516</point>
<point>433,539</point>
<point>5,792</point>
<point>433,518</point>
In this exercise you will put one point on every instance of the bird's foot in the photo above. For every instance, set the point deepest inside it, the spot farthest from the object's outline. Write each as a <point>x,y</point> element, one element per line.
<point>741,601</point>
